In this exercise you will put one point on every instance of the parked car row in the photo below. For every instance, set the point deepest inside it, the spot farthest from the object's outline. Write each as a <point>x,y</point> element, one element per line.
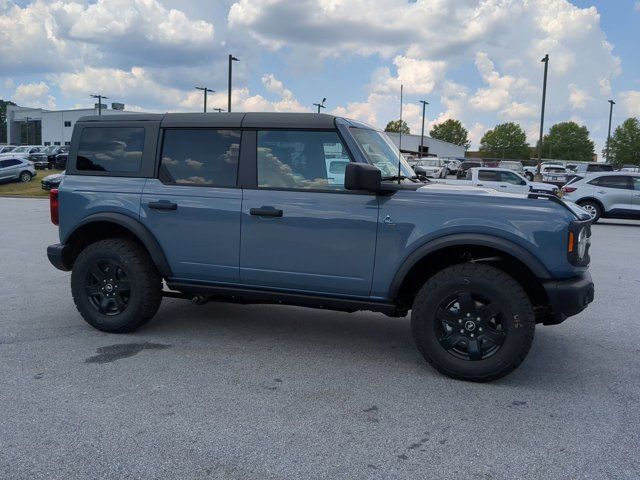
<point>504,180</point>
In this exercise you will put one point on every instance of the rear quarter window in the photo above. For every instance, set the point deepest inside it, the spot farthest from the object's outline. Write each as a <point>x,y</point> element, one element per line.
<point>111,149</point>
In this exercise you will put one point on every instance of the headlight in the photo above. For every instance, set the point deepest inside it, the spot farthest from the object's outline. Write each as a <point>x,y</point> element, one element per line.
<point>579,243</point>
<point>583,243</point>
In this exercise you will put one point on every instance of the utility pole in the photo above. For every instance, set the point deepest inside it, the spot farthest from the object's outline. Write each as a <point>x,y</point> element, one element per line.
<point>612,103</point>
<point>99,97</point>
<point>231,60</point>
<point>205,90</point>
<point>321,105</point>
<point>424,105</point>
<point>545,60</point>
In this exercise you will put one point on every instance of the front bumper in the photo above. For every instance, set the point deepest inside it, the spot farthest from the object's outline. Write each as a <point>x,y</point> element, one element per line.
<point>60,256</point>
<point>568,297</point>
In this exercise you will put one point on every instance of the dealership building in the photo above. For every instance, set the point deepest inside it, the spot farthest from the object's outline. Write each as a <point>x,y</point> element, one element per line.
<point>55,126</point>
<point>431,146</point>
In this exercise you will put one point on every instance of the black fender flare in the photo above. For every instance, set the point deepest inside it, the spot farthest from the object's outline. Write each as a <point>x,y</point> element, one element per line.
<point>471,239</point>
<point>137,229</point>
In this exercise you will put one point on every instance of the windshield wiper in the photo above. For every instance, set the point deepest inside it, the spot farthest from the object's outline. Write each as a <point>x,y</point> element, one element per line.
<point>395,178</point>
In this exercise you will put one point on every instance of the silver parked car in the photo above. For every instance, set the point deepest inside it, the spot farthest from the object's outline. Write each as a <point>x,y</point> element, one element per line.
<point>606,195</point>
<point>16,169</point>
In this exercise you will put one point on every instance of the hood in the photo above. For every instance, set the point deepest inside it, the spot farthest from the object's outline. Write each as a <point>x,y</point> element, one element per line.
<point>465,190</point>
<point>542,186</point>
<point>55,176</point>
<point>577,210</point>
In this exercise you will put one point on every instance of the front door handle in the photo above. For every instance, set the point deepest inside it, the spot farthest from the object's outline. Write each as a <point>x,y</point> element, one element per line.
<point>266,212</point>
<point>163,205</point>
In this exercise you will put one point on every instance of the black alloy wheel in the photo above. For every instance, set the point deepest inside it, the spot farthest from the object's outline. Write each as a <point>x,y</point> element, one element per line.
<point>470,327</point>
<point>108,287</point>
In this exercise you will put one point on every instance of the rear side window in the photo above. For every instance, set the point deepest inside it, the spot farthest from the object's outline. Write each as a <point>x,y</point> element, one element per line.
<point>111,149</point>
<point>200,156</point>
<point>613,181</point>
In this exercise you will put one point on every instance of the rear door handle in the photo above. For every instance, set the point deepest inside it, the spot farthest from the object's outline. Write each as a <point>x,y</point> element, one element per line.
<point>163,205</point>
<point>266,212</point>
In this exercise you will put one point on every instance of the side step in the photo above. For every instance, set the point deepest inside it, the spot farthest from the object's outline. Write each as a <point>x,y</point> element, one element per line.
<point>256,296</point>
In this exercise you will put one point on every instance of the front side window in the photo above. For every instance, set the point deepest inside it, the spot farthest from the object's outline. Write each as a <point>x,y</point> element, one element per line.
<point>511,178</point>
<point>200,156</point>
<point>301,159</point>
<point>11,163</point>
<point>614,181</point>
<point>111,149</point>
<point>488,176</point>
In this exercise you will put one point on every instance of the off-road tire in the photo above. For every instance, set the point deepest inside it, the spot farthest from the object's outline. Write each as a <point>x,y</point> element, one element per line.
<point>480,280</point>
<point>596,208</point>
<point>145,281</point>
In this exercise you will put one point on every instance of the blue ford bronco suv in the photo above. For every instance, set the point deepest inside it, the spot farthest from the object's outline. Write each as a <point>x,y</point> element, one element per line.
<point>317,211</point>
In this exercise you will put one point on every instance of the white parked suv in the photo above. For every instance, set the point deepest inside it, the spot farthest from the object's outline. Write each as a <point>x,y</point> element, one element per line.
<point>606,194</point>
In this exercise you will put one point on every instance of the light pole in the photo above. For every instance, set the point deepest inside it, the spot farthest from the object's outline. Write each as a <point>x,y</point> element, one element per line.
<point>612,103</point>
<point>99,97</point>
<point>205,90</point>
<point>424,106</point>
<point>545,60</point>
<point>231,60</point>
<point>320,105</point>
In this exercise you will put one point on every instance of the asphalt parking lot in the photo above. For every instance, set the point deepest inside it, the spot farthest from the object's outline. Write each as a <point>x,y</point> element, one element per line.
<point>258,392</point>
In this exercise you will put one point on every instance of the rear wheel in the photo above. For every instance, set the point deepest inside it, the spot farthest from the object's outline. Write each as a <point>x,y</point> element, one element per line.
<point>473,322</point>
<point>25,177</point>
<point>115,285</point>
<point>592,208</point>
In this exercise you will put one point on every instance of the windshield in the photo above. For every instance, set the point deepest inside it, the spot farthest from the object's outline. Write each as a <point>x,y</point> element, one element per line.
<point>21,149</point>
<point>429,163</point>
<point>381,152</point>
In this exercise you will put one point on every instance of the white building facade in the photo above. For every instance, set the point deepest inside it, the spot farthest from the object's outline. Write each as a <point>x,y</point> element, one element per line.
<point>432,147</point>
<point>56,126</point>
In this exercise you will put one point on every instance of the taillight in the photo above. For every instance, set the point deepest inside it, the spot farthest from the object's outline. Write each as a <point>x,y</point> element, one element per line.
<point>568,189</point>
<point>54,205</point>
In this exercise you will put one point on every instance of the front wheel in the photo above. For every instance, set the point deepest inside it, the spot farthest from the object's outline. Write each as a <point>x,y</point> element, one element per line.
<point>25,177</point>
<point>473,322</point>
<point>115,285</point>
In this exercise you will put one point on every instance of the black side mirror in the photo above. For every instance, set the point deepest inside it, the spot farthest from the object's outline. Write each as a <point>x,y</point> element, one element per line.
<point>362,176</point>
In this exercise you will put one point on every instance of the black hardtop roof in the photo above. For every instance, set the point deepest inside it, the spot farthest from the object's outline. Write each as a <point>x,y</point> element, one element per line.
<point>224,119</point>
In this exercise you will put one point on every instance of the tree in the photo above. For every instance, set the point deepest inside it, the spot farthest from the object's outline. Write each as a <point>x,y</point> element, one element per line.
<point>451,131</point>
<point>3,119</point>
<point>625,143</point>
<point>568,141</point>
<point>506,140</point>
<point>396,126</point>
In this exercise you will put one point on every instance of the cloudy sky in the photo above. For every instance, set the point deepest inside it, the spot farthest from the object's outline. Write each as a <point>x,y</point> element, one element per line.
<point>478,61</point>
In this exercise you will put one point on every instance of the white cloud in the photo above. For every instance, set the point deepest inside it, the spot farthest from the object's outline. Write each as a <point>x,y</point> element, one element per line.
<point>54,36</point>
<point>630,101</point>
<point>35,95</point>
<point>578,98</point>
<point>637,6</point>
<point>417,76</point>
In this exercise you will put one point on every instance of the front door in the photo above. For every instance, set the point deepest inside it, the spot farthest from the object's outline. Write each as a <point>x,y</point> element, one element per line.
<point>9,169</point>
<point>301,230</point>
<point>193,208</point>
<point>616,192</point>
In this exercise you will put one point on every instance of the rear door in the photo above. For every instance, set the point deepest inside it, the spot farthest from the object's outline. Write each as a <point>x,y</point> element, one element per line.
<point>636,195</point>
<point>615,192</point>
<point>301,230</point>
<point>10,169</point>
<point>193,207</point>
